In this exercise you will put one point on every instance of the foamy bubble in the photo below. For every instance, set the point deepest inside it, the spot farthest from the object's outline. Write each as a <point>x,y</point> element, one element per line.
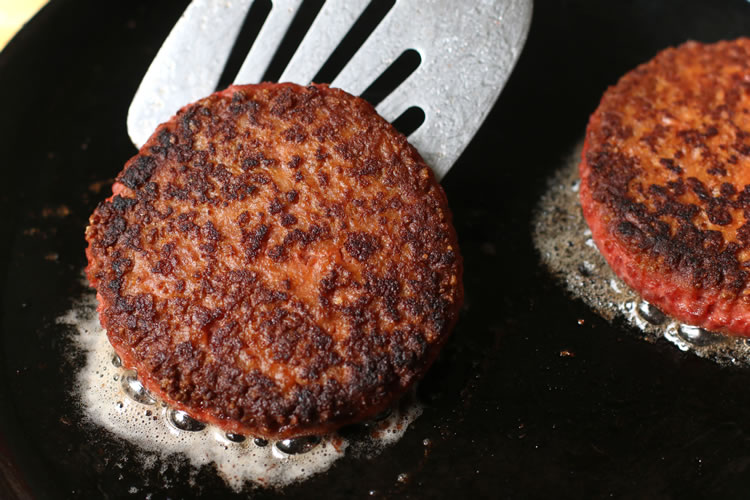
<point>563,240</point>
<point>113,398</point>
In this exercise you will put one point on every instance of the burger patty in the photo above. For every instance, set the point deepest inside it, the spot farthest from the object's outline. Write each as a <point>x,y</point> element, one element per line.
<point>276,260</point>
<point>665,182</point>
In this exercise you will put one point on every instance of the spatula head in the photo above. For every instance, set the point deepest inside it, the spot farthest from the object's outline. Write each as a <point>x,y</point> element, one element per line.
<point>467,52</point>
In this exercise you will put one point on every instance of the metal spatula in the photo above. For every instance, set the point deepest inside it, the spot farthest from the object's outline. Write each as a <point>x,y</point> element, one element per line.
<point>467,49</point>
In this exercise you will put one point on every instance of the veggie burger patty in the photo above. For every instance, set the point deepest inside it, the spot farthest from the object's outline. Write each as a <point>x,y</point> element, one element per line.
<point>276,260</point>
<point>665,182</point>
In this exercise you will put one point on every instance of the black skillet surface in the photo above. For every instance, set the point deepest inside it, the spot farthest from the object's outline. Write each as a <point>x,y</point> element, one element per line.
<point>507,415</point>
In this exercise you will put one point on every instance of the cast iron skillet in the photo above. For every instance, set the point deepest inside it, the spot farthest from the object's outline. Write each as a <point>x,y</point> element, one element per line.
<point>506,415</point>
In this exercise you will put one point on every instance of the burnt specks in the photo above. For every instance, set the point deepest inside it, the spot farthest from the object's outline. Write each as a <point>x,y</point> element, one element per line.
<point>255,159</point>
<point>116,227</point>
<point>361,245</point>
<point>238,274</point>
<point>717,213</point>
<point>283,102</point>
<point>295,134</point>
<point>237,105</point>
<point>275,206</point>
<point>121,204</point>
<point>252,241</point>
<point>670,164</point>
<point>138,171</point>
<point>288,220</point>
<point>294,162</point>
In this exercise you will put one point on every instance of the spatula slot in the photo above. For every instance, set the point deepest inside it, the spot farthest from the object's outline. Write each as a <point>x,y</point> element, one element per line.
<point>254,20</point>
<point>297,30</point>
<point>410,120</point>
<point>355,37</point>
<point>391,78</point>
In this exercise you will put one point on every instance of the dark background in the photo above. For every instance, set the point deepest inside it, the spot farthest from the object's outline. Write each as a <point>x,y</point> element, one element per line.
<point>506,415</point>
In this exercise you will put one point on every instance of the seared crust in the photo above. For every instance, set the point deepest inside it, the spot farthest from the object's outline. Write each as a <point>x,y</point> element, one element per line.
<point>276,260</point>
<point>666,182</point>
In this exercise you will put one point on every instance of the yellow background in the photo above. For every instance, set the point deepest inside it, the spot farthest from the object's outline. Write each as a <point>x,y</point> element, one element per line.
<point>13,15</point>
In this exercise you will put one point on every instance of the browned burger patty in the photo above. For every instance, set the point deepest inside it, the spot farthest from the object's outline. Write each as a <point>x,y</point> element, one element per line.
<point>666,182</point>
<point>276,260</point>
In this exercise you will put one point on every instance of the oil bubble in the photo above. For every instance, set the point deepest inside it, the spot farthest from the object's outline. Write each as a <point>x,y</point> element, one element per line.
<point>235,438</point>
<point>651,313</point>
<point>133,388</point>
<point>184,422</point>
<point>697,336</point>
<point>297,446</point>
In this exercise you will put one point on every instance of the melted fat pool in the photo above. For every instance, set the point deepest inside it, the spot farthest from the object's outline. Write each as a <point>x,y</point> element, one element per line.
<point>111,397</point>
<point>564,243</point>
